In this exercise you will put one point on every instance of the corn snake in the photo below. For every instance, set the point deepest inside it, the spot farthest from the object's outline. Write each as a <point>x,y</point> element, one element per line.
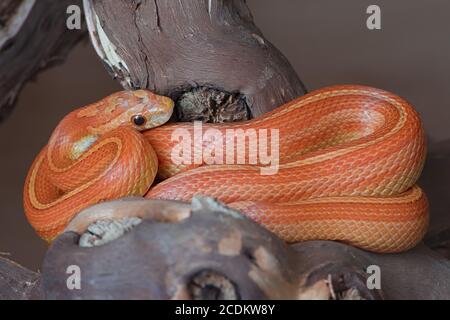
<point>349,160</point>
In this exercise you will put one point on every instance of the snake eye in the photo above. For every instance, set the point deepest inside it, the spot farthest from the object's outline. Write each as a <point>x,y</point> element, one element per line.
<point>139,120</point>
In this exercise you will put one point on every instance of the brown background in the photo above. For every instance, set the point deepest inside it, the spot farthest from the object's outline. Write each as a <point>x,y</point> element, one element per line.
<point>326,41</point>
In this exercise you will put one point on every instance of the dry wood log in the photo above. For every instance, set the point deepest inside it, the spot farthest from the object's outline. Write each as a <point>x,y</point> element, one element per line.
<point>207,251</point>
<point>177,251</point>
<point>33,37</point>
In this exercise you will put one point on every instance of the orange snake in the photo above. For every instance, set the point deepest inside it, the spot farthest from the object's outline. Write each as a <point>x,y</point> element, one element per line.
<point>349,158</point>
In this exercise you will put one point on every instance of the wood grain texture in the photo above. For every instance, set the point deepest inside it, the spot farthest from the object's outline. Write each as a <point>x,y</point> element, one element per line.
<point>172,47</point>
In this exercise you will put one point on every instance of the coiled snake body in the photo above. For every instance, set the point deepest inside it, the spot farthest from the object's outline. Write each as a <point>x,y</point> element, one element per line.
<point>349,160</point>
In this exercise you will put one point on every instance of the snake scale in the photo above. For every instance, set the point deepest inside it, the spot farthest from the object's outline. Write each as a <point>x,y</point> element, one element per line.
<point>349,160</point>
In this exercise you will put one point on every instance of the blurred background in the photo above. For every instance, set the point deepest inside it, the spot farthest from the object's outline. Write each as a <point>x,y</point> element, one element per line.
<point>326,41</point>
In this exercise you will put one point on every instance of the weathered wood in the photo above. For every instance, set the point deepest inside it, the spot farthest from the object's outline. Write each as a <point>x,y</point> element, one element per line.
<point>207,251</point>
<point>33,37</point>
<point>174,47</point>
<point>178,251</point>
<point>417,274</point>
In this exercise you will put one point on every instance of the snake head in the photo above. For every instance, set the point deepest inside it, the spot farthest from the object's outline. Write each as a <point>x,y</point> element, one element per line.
<point>151,110</point>
<point>141,109</point>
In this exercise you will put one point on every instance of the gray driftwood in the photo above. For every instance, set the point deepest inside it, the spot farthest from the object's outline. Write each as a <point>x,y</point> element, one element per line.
<point>207,251</point>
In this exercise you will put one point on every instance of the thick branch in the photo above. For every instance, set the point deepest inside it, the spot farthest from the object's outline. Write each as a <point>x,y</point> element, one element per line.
<point>33,37</point>
<point>207,251</point>
<point>172,47</point>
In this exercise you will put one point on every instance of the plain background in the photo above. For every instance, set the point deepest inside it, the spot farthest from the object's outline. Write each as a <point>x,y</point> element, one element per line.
<point>327,42</point>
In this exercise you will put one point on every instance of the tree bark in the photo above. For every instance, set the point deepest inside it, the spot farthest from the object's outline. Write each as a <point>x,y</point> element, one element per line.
<point>33,37</point>
<point>207,55</point>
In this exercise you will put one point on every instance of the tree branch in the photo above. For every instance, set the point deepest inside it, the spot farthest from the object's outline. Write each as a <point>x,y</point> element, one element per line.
<point>33,37</point>
<point>174,47</point>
